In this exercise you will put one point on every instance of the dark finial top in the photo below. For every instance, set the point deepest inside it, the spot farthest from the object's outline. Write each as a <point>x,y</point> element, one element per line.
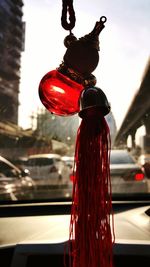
<point>93,36</point>
<point>82,55</point>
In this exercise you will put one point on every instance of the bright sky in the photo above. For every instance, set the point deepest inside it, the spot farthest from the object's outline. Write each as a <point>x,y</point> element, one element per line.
<point>124,43</point>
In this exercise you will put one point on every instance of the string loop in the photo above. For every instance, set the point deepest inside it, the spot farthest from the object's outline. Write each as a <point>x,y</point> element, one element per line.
<point>67,6</point>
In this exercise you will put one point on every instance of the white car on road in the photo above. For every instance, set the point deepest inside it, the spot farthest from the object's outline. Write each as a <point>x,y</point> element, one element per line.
<point>48,169</point>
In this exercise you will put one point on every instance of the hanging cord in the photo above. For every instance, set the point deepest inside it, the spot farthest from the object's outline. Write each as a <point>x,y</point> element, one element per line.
<point>67,6</point>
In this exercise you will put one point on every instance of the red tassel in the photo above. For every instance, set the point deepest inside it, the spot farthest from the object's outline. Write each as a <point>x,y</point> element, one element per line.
<point>90,226</point>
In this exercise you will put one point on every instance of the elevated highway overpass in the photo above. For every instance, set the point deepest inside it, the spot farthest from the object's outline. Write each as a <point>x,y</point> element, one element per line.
<point>137,115</point>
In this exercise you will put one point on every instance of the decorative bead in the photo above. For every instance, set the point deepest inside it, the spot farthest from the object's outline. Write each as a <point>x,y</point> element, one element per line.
<point>69,39</point>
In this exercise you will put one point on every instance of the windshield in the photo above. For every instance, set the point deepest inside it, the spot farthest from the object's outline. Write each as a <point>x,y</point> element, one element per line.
<point>37,145</point>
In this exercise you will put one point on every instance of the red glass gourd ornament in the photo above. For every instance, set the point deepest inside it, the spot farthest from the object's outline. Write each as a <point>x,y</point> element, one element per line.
<point>59,94</point>
<point>60,89</point>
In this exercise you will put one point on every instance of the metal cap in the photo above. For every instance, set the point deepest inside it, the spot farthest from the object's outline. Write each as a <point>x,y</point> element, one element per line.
<point>94,97</point>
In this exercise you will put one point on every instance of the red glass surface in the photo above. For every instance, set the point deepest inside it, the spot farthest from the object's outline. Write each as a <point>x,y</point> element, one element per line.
<point>59,94</point>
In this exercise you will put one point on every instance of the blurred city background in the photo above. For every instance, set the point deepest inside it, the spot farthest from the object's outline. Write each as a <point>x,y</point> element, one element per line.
<point>46,132</point>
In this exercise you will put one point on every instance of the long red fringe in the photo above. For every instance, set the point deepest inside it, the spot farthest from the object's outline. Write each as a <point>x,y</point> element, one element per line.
<point>90,238</point>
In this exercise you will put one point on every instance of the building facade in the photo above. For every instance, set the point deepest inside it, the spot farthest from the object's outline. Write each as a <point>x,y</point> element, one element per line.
<point>11,46</point>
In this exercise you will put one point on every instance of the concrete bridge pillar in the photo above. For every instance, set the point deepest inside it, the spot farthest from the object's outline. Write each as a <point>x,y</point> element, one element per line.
<point>132,133</point>
<point>147,137</point>
<point>147,126</point>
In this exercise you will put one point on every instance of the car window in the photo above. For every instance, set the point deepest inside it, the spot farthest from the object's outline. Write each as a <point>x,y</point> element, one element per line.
<point>57,160</point>
<point>121,158</point>
<point>8,171</point>
<point>39,162</point>
<point>34,136</point>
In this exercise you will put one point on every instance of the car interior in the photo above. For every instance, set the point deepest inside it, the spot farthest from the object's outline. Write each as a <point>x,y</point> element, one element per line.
<point>35,212</point>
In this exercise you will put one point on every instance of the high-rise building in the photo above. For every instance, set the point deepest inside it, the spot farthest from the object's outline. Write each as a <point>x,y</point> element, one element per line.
<point>11,45</point>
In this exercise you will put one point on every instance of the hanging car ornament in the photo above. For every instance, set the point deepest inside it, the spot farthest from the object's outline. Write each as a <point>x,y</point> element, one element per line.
<point>65,91</point>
